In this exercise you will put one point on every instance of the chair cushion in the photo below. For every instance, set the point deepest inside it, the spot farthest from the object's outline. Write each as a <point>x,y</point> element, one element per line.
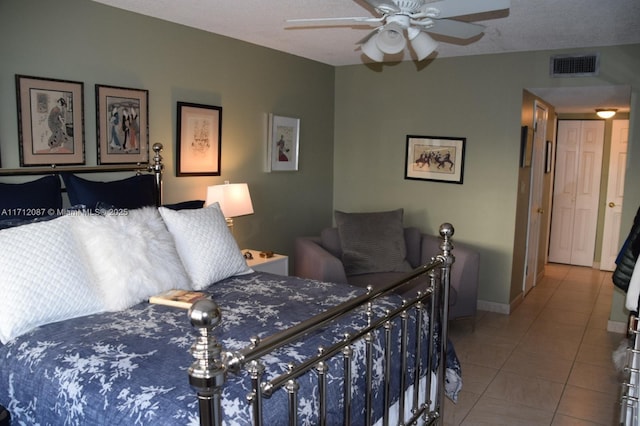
<point>372,242</point>
<point>330,241</point>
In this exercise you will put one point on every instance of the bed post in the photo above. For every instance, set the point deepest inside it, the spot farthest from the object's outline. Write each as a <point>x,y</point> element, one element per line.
<point>446,232</point>
<point>156,167</point>
<point>207,373</point>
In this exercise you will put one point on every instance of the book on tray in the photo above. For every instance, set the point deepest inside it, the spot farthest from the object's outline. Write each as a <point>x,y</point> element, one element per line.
<point>178,298</point>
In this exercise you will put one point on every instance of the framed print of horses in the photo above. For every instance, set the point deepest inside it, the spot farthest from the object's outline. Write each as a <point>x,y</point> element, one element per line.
<point>50,121</point>
<point>283,143</point>
<point>437,158</point>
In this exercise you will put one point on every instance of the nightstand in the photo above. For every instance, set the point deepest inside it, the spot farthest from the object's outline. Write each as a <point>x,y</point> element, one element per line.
<point>277,264</point>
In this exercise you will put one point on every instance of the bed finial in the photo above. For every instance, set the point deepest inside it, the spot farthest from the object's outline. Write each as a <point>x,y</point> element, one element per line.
<point>157,167</point>
<point>207,373</point>
<point>446,232</point>
<point>447,257</point>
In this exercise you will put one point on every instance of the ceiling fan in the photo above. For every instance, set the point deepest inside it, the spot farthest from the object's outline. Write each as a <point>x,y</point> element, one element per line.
<point>412,20</point>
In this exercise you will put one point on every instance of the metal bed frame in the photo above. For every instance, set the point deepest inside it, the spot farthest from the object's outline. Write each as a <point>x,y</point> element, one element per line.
<point>212,363</point>
<point>630,395</point>
<point>155,166</point>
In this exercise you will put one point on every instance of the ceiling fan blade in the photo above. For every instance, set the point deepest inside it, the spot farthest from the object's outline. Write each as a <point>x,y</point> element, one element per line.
<point>355,19</point>
<point>456,29</point>
<point>384,6</point>
<point>450,8</point>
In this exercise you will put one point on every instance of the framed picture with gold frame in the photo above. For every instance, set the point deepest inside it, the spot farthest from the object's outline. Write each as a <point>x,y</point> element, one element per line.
<point>50,121</point>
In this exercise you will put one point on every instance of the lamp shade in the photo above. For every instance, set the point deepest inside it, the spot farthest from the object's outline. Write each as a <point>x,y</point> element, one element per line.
<point>371,49</point>
<point>422,44</point>
<point>234,199</point>
<point>391,39</point>
<point>606,112</point>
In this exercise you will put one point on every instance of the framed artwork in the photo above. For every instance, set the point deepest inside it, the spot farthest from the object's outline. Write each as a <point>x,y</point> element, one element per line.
<point>122,119</point>
<point>283,143</point>
<point>437,158</point>
<point>50,121</point>
<point>526,146</point>
<point>548,157</point>
<point>199,135</point>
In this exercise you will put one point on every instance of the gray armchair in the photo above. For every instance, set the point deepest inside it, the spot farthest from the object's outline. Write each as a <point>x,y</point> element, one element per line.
<point>320,257</point>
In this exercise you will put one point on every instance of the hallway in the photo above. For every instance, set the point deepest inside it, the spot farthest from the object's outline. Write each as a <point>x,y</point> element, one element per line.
<point>548,363</point>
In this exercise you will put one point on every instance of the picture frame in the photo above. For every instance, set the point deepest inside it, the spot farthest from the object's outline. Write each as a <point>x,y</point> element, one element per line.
<point>50,121</point>
<point>122,123</point>
<point>526,146</point>
<point>283,146</point>
<point>435,158</point>
<point>199,140</point>
<point>548,157</point>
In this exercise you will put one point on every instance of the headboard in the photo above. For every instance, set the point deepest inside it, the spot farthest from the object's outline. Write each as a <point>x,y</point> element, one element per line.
<point>155,166</point>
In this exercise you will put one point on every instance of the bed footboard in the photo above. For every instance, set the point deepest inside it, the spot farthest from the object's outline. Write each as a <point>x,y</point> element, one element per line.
<point>630,394</point>
<point>402,351</point>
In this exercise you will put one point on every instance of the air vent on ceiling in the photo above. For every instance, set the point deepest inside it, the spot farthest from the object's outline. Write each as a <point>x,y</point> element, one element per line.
<point>575,65</point>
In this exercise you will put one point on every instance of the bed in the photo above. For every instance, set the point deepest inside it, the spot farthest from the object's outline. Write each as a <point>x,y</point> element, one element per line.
<point>82,345</point>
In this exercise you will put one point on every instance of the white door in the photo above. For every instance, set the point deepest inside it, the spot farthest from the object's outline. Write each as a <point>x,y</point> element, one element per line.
<point>535,197</point>
<point>576,192</point>
<point>615,194</point>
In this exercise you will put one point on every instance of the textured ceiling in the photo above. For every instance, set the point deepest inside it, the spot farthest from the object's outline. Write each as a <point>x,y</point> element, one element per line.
<point>527,25</point>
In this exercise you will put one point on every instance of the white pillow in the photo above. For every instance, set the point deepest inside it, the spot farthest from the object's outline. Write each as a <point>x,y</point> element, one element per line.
<point>207,248</point>
<point>42,278</point>
<point>131,256</point>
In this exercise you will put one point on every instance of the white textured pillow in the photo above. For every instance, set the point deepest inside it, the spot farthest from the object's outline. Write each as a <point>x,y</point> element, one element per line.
<point>207,248</point>
<point>131,256</point>
<point>42,278</point>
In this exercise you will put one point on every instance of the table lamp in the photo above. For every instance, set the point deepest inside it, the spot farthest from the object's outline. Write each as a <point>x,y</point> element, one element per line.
<point>234,200</point>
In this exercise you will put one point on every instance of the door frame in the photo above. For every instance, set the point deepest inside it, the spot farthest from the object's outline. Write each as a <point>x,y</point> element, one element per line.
<point>614,194</point>
<point>536,198</point>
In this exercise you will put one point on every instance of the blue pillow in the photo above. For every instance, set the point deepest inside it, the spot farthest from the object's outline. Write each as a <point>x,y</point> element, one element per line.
<point>131,193</point>
<point>30,200</point>
<point>186,205</point>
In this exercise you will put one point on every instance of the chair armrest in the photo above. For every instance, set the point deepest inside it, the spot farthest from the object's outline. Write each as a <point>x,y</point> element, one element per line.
<point>464,274</point>
<point>314,262</point>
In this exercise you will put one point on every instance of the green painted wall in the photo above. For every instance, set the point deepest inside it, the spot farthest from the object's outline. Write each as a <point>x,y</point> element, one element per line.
<point>477,97</point>
<point>354,120</point>
<point>88,42</point>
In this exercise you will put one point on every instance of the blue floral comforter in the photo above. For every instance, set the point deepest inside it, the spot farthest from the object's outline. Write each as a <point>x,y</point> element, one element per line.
<point>130,367</point>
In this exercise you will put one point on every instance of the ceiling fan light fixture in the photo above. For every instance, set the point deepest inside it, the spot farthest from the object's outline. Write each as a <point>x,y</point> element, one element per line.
<point>371,50</point>
<point>423,45</point>
<point>606,112</point>
<point>391,39</point>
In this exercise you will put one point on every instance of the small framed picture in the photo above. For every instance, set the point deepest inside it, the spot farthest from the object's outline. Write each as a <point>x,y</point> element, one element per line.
<point>548,157</point>
<point>437,158</point>
<point>122,117</point>
<point>526,146</point>
<point>283,143</point>
<point>199,136</point>
<point>50,121</point>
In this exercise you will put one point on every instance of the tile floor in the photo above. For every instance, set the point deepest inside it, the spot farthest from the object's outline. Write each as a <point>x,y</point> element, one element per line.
<point>548,363</point>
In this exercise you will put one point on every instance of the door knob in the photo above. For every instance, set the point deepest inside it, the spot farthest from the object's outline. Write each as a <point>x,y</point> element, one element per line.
<point>612,204</point>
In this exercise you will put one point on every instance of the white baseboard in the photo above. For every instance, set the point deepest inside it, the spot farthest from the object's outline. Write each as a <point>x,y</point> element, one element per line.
<point>617,327</point>
<point>500,308</point>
